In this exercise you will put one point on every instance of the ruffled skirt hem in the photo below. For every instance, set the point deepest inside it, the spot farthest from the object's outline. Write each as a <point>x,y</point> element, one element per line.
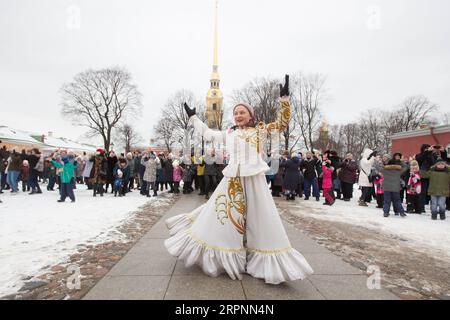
<point>274,266</point>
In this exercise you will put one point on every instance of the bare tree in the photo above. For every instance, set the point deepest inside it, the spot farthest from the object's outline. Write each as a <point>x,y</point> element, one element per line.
<point>308,93</point>
<point>262,94</point>
<point>100,100</point>
<point>127,135</point>
<point>337,139</point>
<point>443,119</point>
<point>175,114</point>
<point>412,112</point>
<point>165,133</point>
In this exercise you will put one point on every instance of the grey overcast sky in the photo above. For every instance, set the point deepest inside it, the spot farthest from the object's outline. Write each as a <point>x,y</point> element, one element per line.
<point>374,53</point>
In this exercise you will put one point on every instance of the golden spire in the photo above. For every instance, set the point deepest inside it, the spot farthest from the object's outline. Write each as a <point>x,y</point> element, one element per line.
<point>214,97</point>
<point>215,74</point>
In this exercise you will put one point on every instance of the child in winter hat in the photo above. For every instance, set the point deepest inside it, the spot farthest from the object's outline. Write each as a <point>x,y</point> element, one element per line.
<point>118,183</point>
<point>413,189</point>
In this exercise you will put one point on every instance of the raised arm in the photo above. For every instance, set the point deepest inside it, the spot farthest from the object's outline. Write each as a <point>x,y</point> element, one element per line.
<point>200,127</point>
<point>57,164</point>
<point>284,114</point>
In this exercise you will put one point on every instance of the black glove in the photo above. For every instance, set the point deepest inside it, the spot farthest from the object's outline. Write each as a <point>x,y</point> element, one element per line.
<point>284,90</point>
<point>190,112</point>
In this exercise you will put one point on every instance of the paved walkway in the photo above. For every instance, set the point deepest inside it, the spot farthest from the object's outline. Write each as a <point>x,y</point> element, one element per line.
<point>147,271</point>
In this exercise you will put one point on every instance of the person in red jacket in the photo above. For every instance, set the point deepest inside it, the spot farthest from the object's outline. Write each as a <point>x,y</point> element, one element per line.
<point>327,181</point>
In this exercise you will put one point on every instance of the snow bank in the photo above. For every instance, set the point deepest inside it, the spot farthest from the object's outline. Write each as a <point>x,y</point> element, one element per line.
<point>419,230</point>
<point>36,231</point>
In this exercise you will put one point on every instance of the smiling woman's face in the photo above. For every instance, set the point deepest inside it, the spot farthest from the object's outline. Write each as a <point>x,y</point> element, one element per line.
<point>241,116</point>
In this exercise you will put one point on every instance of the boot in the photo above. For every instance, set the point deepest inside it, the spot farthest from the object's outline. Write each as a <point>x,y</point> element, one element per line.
<point>155,193</point>
<point>442,216</point>
<point>362,203</point>
<point>434,216</point>
<point>386,215</point>
<point>402,214</point>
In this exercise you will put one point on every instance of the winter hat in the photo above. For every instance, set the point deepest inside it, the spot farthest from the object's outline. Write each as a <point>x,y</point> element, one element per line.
<point>175,163</point>
<point>129,155</point>
<point>65,159</point>
<point>99,152</point>
<point>397,154</point>
<point>440,161</point>
<point>25,163</point>
<point>394,162</point>
<point>424,147</point>
<point>250,109</point>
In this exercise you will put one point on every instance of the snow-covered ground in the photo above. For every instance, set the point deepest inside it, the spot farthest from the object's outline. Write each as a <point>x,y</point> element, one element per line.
<point>418,230</point>
<point>36,231</point>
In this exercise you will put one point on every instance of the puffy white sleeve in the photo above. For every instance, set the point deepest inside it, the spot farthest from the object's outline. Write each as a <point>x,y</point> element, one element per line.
<point>207,133</point>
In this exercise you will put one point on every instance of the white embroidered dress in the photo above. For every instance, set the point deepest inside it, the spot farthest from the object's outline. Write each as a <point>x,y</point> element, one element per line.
<point>239,229</point>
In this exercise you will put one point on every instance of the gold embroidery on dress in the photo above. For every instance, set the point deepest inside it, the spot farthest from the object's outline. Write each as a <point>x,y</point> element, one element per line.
<point>284,116</point>
<point>236,200</point>
<point>221,208</point>
<point>249,135</point>
<point>253,136</point>
<point>281,250</point>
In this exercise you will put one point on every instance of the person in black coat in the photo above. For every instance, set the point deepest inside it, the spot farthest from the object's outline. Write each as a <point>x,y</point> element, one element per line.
<point>168,173</point>
<point>160,179</point>
<point>33,159</point>
<point>4,155</point>
<point>336,162</point>
<point>112,161</point>
<point>311,167</point>
<point>292,175</point>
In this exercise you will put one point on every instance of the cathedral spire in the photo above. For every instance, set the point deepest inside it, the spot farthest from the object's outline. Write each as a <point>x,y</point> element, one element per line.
<point>215,74</point>
<point>214,98</point>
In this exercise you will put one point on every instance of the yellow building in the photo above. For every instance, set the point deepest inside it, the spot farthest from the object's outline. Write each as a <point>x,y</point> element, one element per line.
<point>214,97</point>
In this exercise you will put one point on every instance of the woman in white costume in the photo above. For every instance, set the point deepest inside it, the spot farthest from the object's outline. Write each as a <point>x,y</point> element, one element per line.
<point>239,229</point>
